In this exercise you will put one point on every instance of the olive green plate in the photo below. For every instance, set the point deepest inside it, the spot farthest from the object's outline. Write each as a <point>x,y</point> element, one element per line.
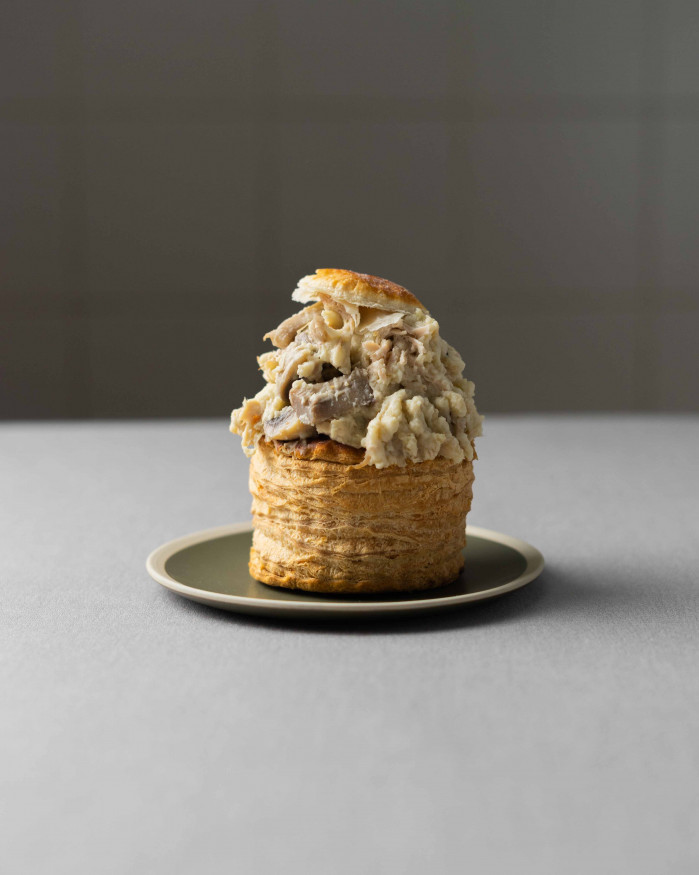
<point>212,567</point>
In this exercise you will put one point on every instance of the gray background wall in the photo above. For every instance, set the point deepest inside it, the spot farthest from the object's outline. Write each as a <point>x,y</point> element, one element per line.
<point>529,169</point>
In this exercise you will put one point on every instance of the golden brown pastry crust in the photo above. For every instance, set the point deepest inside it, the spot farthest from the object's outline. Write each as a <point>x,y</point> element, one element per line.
<point>321,449</point>
<point>361,289</point>
<point>328,526</point>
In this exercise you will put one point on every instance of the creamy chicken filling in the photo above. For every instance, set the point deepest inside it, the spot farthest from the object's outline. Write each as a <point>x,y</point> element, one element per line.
<point>374,379</point>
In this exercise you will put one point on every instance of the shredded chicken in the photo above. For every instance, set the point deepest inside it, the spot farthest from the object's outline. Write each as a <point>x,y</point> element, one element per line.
<point>375,379</point>
<point>282,336</point>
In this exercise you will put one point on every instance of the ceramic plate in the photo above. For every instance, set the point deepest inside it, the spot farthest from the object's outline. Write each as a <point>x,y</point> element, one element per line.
<point>212,567</point>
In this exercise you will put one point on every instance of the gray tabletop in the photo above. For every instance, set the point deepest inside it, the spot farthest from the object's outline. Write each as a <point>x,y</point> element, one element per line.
<point>555,730</point>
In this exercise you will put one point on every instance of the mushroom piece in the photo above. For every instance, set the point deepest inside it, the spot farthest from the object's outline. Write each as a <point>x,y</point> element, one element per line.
<point>286,426</point>
<point>319,402</point>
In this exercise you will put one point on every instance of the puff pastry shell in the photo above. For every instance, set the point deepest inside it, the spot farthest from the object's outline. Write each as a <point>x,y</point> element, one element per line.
<point>324,523</point>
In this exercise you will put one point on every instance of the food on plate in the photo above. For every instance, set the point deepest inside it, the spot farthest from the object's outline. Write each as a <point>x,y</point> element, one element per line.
<point>362,443</point>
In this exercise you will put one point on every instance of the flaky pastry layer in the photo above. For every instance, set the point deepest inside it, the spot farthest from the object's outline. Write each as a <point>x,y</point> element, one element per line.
<point>321,449</point>
<point>361,289</point>
<point>333,527</point>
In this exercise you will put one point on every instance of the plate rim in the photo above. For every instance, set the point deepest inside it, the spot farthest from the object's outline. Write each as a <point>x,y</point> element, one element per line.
<point>155,565</point>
